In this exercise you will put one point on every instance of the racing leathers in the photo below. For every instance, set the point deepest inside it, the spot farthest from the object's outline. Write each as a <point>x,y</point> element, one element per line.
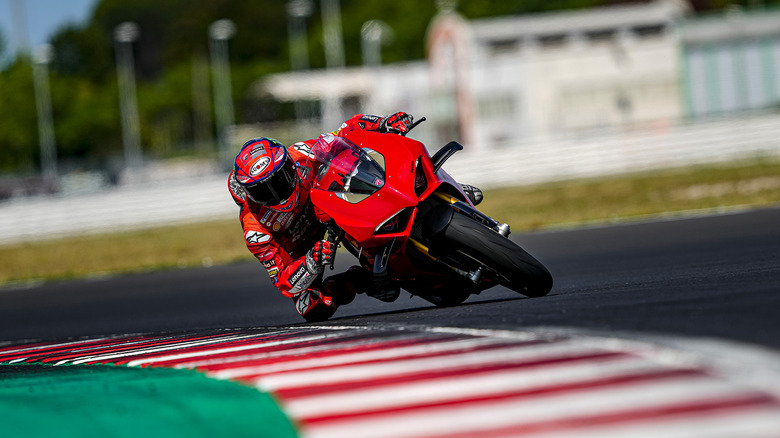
<point>288,243</point>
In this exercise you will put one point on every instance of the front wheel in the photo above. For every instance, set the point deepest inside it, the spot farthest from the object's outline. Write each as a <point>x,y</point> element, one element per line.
<point>509,264</point>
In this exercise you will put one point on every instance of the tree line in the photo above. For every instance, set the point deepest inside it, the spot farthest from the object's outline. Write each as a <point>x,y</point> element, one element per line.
<point>171,64</point>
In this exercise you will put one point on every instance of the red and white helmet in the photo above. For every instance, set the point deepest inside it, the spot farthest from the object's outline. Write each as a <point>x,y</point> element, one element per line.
<point>267,173</point>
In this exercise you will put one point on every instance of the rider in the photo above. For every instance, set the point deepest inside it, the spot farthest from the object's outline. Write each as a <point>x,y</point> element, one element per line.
<point>271,182</point>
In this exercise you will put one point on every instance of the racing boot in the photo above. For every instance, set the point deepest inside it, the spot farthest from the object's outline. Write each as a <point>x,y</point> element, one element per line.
<point>474,193</point>
<point>314,306</point>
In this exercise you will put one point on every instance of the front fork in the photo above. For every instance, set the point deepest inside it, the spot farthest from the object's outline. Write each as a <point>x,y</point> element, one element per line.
<point>475,276</point>
<point>458,205</point>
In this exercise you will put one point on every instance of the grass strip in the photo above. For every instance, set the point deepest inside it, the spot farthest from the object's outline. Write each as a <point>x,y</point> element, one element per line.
<point>625,197</point>
<point>753,183</point>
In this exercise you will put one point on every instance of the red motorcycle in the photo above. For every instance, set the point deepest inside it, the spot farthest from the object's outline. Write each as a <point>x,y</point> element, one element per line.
<point>395,209</point>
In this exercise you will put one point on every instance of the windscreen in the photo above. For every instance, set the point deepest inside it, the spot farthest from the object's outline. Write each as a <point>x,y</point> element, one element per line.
<point>351,172</point>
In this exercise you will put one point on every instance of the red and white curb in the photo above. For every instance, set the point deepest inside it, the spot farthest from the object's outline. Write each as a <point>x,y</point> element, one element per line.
<point>447,382</point>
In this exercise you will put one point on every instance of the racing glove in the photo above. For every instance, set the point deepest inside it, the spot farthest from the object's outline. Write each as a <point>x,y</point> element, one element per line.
<point>307,272</point>
<point>319,256</point>
<point>397,123</point>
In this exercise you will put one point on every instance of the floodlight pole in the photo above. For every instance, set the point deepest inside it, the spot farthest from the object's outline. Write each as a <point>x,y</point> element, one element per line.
<point>41,59</point>
<point>220,32</point>
<point>297,12</point>
<point>373,34</point>
<point>124,36</point>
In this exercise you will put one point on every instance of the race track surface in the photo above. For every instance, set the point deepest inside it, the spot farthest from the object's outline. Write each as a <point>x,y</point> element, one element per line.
<point>635,339</point>
<point>715,276</point>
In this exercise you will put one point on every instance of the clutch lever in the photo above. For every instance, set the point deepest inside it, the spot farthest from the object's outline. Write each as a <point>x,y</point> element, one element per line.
<point>413,125</point>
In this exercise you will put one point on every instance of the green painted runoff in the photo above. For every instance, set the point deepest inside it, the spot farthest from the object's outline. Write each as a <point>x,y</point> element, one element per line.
<point>108,401</point>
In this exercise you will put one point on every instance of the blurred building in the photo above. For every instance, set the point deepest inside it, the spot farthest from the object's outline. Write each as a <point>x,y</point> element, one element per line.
<point>540,76</point>
<point>500,82</point>
<point>731,63</point>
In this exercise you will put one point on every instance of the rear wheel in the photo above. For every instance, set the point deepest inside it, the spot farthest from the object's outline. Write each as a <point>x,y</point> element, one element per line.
<point>498,256</point>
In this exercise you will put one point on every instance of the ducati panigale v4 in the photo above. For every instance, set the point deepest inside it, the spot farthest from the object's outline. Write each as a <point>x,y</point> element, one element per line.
<point>394,208</point>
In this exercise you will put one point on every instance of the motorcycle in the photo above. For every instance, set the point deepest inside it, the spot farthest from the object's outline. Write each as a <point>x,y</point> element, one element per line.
<point>393,207</point>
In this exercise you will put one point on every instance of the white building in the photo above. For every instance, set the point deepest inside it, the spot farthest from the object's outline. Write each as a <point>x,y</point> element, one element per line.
<point>542,76</point>
<point>561,76</point>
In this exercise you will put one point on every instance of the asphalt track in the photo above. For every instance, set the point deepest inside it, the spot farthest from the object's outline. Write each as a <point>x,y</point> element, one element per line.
<point>715,276</point>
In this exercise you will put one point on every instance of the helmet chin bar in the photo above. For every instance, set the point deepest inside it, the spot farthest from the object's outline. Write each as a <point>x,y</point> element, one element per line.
<point>294,196</point>
<point>277,188</point>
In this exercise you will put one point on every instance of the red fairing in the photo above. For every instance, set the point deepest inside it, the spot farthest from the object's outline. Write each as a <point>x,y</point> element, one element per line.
<point>359,215</point>
<point>375,208</point>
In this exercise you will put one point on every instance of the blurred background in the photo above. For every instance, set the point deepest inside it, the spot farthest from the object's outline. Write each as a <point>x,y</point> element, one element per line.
<point>118,113</point>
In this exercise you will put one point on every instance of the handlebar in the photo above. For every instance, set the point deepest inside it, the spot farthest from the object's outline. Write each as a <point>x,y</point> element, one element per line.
<point>414,125</point>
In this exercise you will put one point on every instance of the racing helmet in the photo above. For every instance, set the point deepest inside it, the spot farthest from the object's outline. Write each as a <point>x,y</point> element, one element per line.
<point>265,170</point>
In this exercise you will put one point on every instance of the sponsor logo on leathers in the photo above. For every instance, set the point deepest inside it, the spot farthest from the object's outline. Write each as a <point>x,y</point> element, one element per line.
<point>302,278</point>
<point>303,304</point>
<point>297,275</point>
<point>303,148</point>
<point>273,272</point>
<point>255,237</point>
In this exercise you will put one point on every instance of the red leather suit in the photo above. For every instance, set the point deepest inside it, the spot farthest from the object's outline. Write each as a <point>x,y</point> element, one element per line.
<point>280,240</point>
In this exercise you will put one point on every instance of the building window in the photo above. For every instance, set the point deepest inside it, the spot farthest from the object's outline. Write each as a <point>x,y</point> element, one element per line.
<point>604,36</point>
<point>650,31</point>
<point>496,107</point>
<point>498,47</point>
<point>552,41</point>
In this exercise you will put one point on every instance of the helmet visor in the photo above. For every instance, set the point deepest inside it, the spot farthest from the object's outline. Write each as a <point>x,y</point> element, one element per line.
<point>275,189</point>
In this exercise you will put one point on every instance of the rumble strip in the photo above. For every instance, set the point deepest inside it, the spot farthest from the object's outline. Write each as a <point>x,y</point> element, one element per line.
<point>392,381</point>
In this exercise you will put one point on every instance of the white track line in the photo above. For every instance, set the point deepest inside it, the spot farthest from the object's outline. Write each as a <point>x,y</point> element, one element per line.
<point>458,388</point>
<point>222,350</point>
<point>410,366</point>
<point>296,351</point>
<point>99,358</point>
<point>526,410</point>
<point>339,359</point>
<point>753,423</point>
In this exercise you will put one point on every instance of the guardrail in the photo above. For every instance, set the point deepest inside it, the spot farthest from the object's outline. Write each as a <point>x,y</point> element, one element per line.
<point>631,151</point>
<point>117,209</point>
<point>191,200</point>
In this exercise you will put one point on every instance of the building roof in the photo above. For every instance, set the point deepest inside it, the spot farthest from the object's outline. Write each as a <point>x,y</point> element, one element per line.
<point>735,24</point>
<point>314,84</point>
<point>581,20</point>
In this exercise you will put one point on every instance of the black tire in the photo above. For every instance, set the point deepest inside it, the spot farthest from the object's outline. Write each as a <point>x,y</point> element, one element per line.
<point>516,269</point>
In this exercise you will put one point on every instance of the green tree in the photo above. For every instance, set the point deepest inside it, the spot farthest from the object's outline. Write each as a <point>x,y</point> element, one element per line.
<point>18,128</point>
<point>172,33</point>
